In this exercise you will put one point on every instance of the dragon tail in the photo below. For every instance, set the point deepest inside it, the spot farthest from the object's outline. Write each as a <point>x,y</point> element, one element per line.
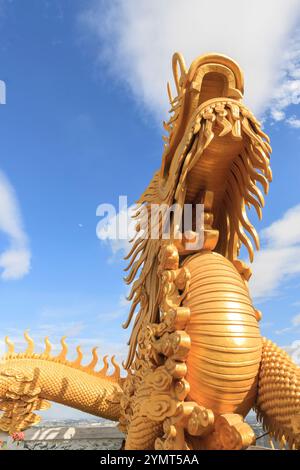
<point>29,380</point>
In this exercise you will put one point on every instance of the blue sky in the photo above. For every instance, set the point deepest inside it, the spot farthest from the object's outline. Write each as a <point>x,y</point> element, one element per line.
<point>85,97</point>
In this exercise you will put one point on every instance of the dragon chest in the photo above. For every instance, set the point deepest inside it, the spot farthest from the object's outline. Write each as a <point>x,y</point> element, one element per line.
<point>226,343</point>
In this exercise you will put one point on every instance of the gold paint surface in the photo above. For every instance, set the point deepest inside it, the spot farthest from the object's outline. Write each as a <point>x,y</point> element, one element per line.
<point>225,354</point>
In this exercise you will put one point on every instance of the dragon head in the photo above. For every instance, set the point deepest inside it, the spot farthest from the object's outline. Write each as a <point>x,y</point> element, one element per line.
<point>214,146</point>
<point>215,154</point>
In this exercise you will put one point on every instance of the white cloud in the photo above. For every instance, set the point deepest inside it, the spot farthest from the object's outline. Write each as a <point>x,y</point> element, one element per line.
<point>280,257</point>
<point>288,90</point>
<point>137,38</point>
<point>293,350</point>
<point>15,260</point>
<point>285,231</point>
<point>116,229</point>
<point>296,320</point>
<point>2,92</point>
<point>293,122</point>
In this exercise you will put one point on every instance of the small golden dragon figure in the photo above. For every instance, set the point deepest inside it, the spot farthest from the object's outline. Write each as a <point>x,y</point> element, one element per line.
<point>197,362</point>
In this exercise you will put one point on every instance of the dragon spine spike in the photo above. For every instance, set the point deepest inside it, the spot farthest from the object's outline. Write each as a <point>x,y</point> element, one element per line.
<point>10,345</point>
<point>169,93</point>
<point>30,348</point>
<point>91,366</point>
<point>117,371</point>
<point>62,356</point>
<point>48,347</point>
<point>102,372</point>
<point>78,360</point>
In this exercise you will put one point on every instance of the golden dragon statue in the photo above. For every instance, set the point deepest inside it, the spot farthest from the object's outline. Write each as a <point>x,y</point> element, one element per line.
<point>197,363</point>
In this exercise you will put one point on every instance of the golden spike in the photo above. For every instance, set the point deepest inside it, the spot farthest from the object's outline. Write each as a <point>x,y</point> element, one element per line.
<point>104,369</point>
<point>169,93</point>
<point>240,178</point>
<point>173,118</point>
<point>131,312</point>
<point>265,145</point>
<point>48,347</point>
<point>134,269</point>
<point>246,224</point>
<point>270,175</point>
<point>243,216</point>
<point>260,158</point>
<point>257,192</point>
<point>247,172</point>
<point>137,213</point>
<point>175,107</point>
<point>133,248</point>
<point>197,125</point>
<point>30,348</point>
<point>282,443</point>
<point>135,254</point>
<point>239,229</point>
<point>262,180</point>
<point>208,132</point>
<point>64,351</point>
<point>91,366</point>
<point>10,345</point>
<point>79,357</point>
<point>271,443</point>
<point>263,157</point>
<point>256,162</point>
<point>251,134</point>
<point>133,290</point>
<point>250,199</point>
<point>255,175</point>
<point>133,338</point>
<point>117,370</point>
<point>260,132</point>
<point>236,130</point>
<point>135,237</point>
<point>235,110</point>
<point>178,62</point>
<point>167,126</point>
<point>225,124</point>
